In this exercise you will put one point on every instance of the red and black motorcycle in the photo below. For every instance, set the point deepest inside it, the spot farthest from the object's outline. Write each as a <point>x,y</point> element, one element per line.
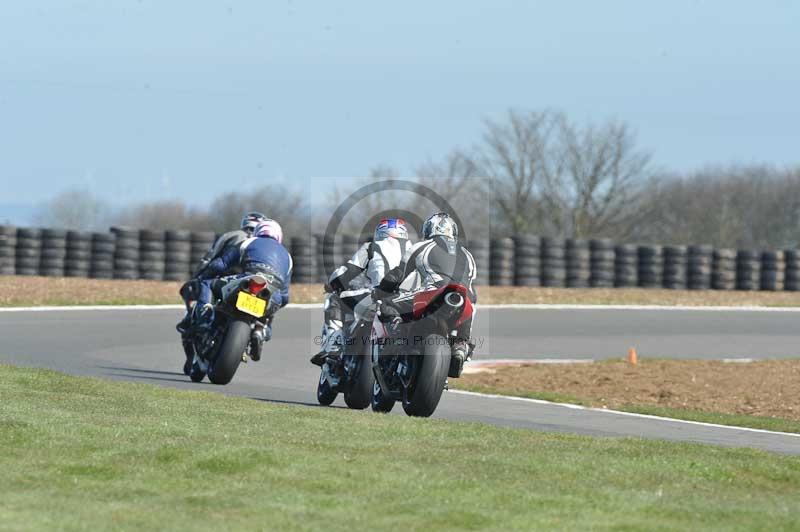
<point>412,356</point>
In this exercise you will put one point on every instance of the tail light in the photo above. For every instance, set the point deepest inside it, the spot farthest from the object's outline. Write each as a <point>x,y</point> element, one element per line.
<point>256,286</point>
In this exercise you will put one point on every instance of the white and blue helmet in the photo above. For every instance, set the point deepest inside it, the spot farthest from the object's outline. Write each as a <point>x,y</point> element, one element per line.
<point>391,228</point>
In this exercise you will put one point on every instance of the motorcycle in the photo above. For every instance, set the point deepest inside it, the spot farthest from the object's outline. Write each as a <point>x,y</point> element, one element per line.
<point>234,332</point>
<point>351,372</point>
<point>412,360</point>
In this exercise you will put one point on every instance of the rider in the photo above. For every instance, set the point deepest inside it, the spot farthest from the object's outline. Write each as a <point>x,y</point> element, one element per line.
<point>352,282</point>
<point>261,253</point>
<point>231,239</point>
<point>435,261</point>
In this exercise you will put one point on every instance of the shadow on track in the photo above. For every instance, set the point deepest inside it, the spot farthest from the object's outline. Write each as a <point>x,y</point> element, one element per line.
<point>141,370</point>
<point>299,403</point>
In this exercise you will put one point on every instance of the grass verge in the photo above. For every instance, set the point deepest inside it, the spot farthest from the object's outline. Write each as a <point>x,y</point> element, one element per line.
<point>82,453</point>
<point>763,394</point>
<point>19,291</point>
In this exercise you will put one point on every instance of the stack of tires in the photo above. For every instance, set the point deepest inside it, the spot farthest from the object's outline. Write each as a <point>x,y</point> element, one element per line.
<point>675,267</point>
<point>579,263</point>
<point>699,267</point>
<point>179,250</point>
<point>723,269</point>
<point>8,249</point>
<point>304,259</point>
<point>602,263</point>
<point>199,244</point>
<point>527,260</point>
<point>126,253</point>
<point>350,245</point>
<point>651,266</point>
<point>53,252</point>
<point>501,262</point>
<point>748,270</point>
<point>102,259</point>
<point>554,264</point>
<point>322,277</point>
<point>479,247</point>
<point>773,269</point>
<point>28,251</point>
<point>792,276</point>
<point>332,247</point>
<point>79,254</point>
<point>151,255</point>
<point>626,266</point>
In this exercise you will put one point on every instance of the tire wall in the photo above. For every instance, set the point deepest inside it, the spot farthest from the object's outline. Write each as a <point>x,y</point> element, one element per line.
<point>522,260</point>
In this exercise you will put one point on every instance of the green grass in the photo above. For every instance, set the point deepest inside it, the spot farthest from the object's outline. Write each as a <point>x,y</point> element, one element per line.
<point>735,420</point>
<point>80,453</point>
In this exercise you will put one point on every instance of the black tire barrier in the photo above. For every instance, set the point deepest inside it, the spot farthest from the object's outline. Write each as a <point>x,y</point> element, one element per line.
<point>77,262</point>
<point>152,255</point>
<point>28,251</point>
<point>626,266</point>
<point>501,262</point>
<point>723,269</point>
<point>773,269</point>
<point>578,262</point>
<point>101,264</point>
<point>602,260</point>
<point>651,266</point>
<point>553,262</point>
<point>675,267</point>
<point>481,253</point>
<point>791,259</point>
<point>349,246</point>
<point>8,249</point>
<point>527,260</point>
<point>126,253</point>
<point>304,259</point>
<point>748,270</point>
<point>700,259</point>
<point>179,249</point>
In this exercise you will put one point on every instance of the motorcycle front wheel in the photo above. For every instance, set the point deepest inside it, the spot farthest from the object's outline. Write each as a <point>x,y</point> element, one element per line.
<point>326,395</point>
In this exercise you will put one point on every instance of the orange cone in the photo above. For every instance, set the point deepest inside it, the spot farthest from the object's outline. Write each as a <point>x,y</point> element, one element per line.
<point>632,357</point>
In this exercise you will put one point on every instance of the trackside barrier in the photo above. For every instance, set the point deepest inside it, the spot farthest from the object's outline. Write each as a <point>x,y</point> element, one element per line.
<point>521,260</point>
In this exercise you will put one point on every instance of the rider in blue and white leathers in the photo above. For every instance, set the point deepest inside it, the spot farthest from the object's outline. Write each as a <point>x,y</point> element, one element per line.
<point>264,253</point>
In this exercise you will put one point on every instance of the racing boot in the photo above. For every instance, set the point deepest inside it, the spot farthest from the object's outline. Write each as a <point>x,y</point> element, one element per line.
<point>331,344</point>
<point>460,353</point>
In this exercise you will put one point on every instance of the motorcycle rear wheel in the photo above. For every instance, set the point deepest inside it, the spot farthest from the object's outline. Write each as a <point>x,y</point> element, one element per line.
<point>423,398</point>
<point>230,352</point>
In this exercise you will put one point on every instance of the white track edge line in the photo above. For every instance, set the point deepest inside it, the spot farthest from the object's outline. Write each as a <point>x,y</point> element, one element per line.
<point>621,413</point>
<point>309,306</point>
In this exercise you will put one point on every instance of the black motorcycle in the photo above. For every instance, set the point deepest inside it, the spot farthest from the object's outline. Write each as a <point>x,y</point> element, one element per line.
<point>349,373</point>
<point>217,344</point>
<point>412,359</point>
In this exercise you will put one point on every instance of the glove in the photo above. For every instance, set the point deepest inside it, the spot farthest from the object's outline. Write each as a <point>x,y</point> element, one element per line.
<point>388,312</point>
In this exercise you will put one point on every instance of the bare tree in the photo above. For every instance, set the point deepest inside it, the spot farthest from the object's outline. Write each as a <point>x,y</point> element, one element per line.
<point>75,208</point>
<point>288,207</point>
<point>520,157</point>
<point>169,214</point>
<point>596,192</point>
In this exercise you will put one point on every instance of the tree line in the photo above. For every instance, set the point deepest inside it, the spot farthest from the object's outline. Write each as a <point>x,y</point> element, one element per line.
<point>535,172</point>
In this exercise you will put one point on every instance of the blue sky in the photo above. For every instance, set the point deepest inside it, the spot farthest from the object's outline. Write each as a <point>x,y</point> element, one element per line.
<point>152,100</point>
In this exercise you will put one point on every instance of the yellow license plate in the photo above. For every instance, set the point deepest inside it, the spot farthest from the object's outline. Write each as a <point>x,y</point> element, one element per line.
<point>255,306</point>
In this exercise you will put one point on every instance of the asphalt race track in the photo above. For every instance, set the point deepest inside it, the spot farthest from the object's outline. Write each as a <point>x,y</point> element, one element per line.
<point>142,345</point>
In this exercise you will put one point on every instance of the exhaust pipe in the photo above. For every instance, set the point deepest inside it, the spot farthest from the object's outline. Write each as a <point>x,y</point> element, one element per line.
<point>454,299</point>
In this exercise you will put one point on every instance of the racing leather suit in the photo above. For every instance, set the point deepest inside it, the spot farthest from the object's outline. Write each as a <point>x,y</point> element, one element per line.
<point>428,264</point>
<point>350,284</point>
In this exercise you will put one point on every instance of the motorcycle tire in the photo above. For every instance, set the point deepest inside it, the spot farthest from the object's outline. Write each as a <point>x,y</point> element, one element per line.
<point>196,374</point>
<point>230,352</point>
<point>325,394</point>
<point>381,403</point>
<point>359,394</point>
<point>423,398</point>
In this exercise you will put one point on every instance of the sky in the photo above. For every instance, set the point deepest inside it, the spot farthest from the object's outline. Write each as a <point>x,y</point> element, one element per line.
<point>149,100</point>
